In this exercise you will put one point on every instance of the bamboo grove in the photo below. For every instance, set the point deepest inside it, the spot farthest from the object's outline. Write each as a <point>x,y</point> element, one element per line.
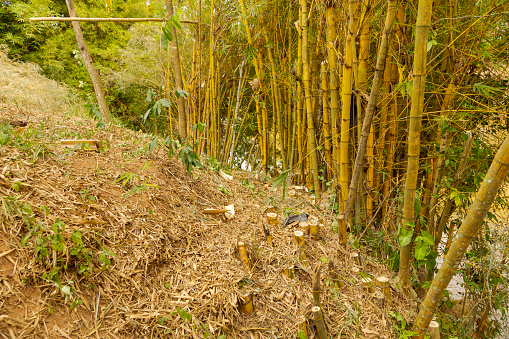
<point>394,109</point>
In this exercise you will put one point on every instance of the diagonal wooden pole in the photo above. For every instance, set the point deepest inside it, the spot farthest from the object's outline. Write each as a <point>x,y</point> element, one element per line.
<point>92,71</point>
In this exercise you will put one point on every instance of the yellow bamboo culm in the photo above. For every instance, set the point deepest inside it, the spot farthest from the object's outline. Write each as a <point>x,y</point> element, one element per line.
<point>434,330</point>
<point>342,229</point>
<point>290,272</point>
<point>319,323</point>
<point>304,227</point>
<point>246,304</point>
<point>272,218</point>
<point>383,283</point>
<point>303,331</point>
<point>243,254</point>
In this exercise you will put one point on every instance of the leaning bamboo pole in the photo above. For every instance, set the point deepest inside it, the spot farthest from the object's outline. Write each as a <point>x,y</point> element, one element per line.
<point>419,76</point>
<point>307,90</point>
<point>469,228</point>
<point>87,59</point>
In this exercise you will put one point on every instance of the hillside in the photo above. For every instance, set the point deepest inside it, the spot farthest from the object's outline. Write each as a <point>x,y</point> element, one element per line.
<point>168,259</point>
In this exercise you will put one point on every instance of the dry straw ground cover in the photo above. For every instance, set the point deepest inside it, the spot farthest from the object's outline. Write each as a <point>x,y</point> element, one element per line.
<point>175,271</point>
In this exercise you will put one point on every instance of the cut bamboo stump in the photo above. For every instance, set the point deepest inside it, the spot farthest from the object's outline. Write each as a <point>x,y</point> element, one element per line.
<point>290,272</point>
<point>313,228</point>
<point>383,283</point>
<point>304,227</point>
<point>342,229</point>
<point>434,330</point>
<point>246,304</point>
<point>368,284</point>
<point>299,240</point>
<point>243,254</point>
<point>303,331</point>
<point>268,237</point>
<point>319,323</point>
<point>356,258</point>
<point>272,219</point>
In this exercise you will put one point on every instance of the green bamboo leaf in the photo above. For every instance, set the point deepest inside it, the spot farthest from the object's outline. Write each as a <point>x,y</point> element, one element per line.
<point>405,236</point>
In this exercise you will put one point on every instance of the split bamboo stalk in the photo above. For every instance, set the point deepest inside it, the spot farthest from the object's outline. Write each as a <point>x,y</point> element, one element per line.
<point>308,100</point>
<point>416,110</point>
<point>319,323</point>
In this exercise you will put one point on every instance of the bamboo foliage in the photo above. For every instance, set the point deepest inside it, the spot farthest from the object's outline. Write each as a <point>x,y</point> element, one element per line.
<point>468,229</point>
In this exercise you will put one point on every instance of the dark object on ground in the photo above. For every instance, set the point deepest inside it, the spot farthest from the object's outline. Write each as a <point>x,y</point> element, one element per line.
<point>295,219</point>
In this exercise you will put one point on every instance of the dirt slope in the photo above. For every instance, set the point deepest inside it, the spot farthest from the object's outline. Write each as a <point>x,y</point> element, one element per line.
<point>174,270</point>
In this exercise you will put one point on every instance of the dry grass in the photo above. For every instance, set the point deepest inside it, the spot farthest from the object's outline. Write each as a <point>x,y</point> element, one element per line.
<point>22,85</point>
<point>168,254</point>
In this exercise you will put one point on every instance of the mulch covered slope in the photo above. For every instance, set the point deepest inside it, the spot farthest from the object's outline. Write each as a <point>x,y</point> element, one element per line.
<point>175,270</point>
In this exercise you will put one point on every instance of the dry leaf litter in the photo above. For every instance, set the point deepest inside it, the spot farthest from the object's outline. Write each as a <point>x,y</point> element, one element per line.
<point>168,253</point>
